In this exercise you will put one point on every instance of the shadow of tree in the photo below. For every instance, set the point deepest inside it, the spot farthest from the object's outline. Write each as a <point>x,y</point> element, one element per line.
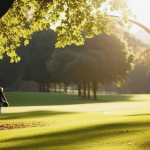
<point>32,114</point>
<point>81,137</point>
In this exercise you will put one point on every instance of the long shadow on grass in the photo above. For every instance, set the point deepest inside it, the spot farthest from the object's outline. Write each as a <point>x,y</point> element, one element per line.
<point>32,114</point>
<point>42,99</point>
<point>100,134</point>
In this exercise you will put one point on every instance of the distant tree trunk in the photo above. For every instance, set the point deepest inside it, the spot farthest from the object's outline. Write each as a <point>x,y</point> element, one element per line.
<point>88,88</point>
<point>107,89</point>
<point>24,86</point>
<point>69,87</point>
<point>101,89</point>
<point>119,90</point>
<point>73,88</point>
<point>48,87</point>
<point>66,88</point>
<point>84,90</point>
<point>79,90</point>
<point>54,87</point>
<point>32,86</point>
<point>40,86</point>
<point>60,87</point>
<point>110,89</point>
<point>43,87</point>
<point>94,89</point>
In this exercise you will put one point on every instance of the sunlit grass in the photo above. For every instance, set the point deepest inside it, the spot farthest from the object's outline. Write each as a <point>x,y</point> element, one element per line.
<point>112,129</point>
<point>80,131</point>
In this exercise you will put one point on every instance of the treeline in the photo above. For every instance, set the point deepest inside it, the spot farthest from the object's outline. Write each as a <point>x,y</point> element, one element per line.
<point>103,60</point>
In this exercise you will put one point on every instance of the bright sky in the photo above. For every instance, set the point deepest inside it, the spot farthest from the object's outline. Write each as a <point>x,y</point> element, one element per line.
<point>141,8</point>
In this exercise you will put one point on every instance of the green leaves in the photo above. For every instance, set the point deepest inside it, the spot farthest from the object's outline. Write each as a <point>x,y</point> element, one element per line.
<point>68,16</point>
<point>122,7</point>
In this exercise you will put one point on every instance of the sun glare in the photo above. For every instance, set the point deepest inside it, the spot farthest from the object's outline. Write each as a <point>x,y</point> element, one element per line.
<point>141,9</point>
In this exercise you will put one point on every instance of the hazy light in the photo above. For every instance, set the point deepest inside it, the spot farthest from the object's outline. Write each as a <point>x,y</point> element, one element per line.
<point>141,8</point>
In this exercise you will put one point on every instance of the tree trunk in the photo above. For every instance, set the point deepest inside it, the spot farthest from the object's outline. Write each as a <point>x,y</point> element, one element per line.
<point>65,88</point>
<point>60,88</point>
<point>94,89</point>
<point>119,90</point>
<point>107,89</point>
<point>73,88</point>
<point>54,87</point>
<point>48,87</point>
<point>40,86</point>
<point>79,90</point>
<point>88,86</point>
<point>84,90</point>
<point>110,89</point>
<point>44,87</point>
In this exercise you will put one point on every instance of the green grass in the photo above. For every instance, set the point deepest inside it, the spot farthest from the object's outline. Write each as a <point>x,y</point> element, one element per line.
<point>41,99</point>
<point>116,129</point>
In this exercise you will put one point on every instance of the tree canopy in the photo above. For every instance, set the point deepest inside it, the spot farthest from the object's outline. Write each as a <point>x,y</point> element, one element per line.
<point>69,18</point>
<point>37,52</point>
<point>34,58</point>
<point>103,59</point>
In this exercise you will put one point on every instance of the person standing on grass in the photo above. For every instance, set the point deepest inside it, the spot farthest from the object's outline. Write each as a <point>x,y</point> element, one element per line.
<point>2,99</point>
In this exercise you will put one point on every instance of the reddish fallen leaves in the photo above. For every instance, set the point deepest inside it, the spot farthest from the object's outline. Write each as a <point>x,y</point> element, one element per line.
<point>18,125</point>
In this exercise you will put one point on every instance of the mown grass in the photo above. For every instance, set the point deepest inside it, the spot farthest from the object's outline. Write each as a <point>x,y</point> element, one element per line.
<point>123,129</point>
<point>41,99</point>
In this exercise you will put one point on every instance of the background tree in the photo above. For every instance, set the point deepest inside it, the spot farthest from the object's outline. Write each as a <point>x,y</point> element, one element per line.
<point>39,50</point>
<point>139,77</point>
<point>32,67</point>
<point>104,59</point>
<point>30,71</point>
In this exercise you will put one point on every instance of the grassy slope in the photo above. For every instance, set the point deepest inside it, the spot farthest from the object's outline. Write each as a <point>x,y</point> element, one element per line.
<point>125,129</point>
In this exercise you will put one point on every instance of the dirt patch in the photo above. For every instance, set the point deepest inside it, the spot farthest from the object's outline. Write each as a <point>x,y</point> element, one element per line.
<point>20,125</point>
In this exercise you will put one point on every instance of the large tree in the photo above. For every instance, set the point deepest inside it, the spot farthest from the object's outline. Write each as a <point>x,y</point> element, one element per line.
<point>103,59</point>
<point>69,18</point>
